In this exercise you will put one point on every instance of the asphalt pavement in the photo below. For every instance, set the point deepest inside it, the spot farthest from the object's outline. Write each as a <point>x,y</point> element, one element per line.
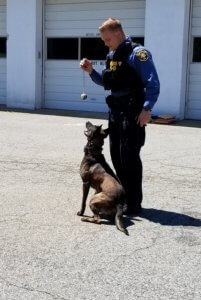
<point>47,253</point>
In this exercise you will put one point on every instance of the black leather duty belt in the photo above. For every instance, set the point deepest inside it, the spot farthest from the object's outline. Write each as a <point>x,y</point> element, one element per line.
<point>122,103</point>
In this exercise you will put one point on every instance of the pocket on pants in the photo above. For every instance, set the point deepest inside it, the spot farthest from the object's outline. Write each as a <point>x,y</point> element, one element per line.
<point>134,135</point>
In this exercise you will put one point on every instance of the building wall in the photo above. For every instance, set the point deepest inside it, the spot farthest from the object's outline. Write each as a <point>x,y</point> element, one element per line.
<point>166,35</point>
<point>23,60</point>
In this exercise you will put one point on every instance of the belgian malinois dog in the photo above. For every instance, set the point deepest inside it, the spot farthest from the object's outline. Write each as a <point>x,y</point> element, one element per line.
<point>109,194</point>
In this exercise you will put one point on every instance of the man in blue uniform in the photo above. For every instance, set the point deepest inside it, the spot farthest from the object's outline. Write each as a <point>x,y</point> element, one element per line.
<point>131,77</point>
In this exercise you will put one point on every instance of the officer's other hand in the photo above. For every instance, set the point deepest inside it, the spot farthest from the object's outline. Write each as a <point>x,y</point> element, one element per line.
<point>144,117</point>
<point>86,65</point>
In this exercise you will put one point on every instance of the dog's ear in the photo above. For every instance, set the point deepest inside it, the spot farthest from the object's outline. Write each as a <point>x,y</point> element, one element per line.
<point>105,132</point>
<point>89,130</point>
<point>89,124</point>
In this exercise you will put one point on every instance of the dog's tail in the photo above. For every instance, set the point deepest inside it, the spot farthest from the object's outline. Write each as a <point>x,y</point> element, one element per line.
<point>119,219</point>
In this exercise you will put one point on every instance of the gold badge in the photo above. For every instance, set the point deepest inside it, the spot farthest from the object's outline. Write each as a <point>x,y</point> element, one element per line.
<point>114,65</point>
<point>142,55</point>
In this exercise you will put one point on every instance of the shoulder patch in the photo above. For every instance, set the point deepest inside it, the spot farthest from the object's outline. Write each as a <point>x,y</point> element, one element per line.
<point>142,55</point>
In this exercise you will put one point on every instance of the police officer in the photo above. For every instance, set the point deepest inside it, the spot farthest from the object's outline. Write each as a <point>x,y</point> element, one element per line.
<point>131,77</point>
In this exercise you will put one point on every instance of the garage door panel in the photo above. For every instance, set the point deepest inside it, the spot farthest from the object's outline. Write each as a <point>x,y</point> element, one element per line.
<point>72,105</point>
<point>68,86</point>
<point>195,68</point>
<point>196,18</point>
<point>195,78</point>
<point>61,64</point>
<point>193,107</point>
<point>196,31</point>
<point>77,24</point>
<point>196,12</point>
<point>87,15</point>
<point>197,3</point>
<point>3,16</point>
<point>195,104</point>
<point>195,87</point>
<point>73,97</point>
<point>193,114</point>
<point>2,65</point>
<point>95,6</point>
<point>59,71</point>
<point>67,67</point>
<point>2,28</point>
<point>2,94</point>
<point>59,2</point>
<point>193,96</point>
<point>56,84</point>
<point>2,81</point>
<point>63,73</point>
<point>196,22</point>
<point>82,32</point>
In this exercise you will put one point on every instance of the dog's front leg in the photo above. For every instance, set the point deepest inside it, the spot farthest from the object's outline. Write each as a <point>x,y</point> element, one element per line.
<point>85,191</point>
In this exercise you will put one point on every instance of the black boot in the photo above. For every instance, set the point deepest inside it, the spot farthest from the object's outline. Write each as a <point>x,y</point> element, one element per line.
<point>132,210</point>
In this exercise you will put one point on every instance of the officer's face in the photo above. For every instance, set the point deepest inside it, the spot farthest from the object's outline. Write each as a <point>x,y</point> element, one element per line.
<point>112,39</point>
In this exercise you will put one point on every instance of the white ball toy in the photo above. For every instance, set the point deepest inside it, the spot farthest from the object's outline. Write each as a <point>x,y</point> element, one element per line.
<point>83,96</point>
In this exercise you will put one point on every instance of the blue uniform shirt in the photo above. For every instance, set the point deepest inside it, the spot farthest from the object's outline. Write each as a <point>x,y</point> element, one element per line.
<point>141,60</point>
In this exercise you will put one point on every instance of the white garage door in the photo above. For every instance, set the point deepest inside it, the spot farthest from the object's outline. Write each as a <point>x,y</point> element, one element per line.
<point>193,109</point>
<point>71,33</point>
<point>2,51</point>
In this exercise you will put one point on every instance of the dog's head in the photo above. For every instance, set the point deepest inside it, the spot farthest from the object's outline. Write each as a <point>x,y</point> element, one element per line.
<point>95,133</point>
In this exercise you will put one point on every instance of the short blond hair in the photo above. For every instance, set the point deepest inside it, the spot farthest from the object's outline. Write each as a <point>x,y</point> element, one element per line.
<point>110,24</point>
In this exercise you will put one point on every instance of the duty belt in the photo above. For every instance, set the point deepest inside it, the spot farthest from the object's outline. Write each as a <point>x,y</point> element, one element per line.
<point>122,103</point>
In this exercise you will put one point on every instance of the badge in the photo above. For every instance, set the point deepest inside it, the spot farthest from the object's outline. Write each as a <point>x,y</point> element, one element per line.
<point>115,64</point>
<point>142,55</point>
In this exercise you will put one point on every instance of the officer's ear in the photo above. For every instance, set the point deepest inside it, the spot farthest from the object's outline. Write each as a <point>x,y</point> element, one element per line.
<point>105,132</point>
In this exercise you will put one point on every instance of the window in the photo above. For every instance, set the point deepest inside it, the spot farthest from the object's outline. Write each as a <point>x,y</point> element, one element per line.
<point>2,47</point>
<point>62,48</point>
<point>93,48</point>
<point>138,40</point>
<point>197,49</point>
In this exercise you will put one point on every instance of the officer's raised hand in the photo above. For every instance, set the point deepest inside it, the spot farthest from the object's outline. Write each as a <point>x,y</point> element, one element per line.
<point>86,65</point>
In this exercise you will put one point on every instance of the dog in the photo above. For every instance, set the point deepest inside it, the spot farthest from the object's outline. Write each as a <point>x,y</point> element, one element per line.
<point>109,194</point>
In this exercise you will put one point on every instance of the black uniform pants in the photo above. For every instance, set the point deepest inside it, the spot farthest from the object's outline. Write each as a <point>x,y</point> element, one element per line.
<point>126,140</point>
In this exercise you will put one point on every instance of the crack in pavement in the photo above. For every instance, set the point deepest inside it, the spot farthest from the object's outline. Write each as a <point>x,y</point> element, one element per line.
<point>32,289</point>
<point>127,255</point>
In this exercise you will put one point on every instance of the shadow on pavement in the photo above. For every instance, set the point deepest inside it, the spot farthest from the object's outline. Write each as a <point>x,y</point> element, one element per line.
<point>169,218</point>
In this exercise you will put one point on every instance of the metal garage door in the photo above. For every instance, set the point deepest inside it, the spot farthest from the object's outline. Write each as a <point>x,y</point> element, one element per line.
<point>193,109</point>
<point>71,33</point>
<point>2,51</point>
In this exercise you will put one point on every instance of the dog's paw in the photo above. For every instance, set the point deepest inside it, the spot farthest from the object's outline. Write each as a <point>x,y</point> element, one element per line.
<point>79,213</point>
